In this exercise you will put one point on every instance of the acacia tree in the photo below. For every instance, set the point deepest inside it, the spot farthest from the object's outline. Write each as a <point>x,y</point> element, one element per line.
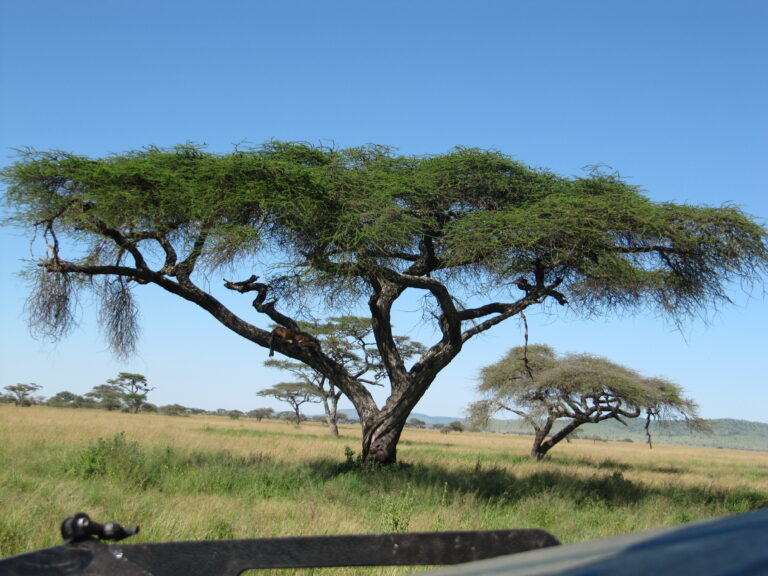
<point>106,397</point>
<point>133,390</point>
<point>542,388</point>
<point>294,393</point>
<point>67,399</point>
<point>21,394</point>
<point>363,224</point>
<point>260,413</point>
<point>345,339</point>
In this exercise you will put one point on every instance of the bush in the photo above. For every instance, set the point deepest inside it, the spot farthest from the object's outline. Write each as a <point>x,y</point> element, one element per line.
<point>115,458</point>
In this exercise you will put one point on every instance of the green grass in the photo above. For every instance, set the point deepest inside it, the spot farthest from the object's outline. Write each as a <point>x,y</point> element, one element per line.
<point>181,480</point>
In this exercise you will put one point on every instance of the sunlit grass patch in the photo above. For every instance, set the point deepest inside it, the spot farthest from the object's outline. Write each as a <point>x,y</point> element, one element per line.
<point>211,477</point>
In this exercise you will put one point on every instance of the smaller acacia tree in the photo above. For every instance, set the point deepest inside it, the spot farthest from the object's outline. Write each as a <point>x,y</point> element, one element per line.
<point>21,394</point>
<point>416,423</point>
<point>67,399</point>
<point>105,397</point>
<point>133,389</point>
<point>540,387</point>
<point>260,413</point>
<point>347,340</point>
<point>174,410</point>
<point>294,393</point>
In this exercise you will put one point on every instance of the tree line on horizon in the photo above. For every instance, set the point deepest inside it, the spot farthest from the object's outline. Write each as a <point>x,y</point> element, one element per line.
<point>126,393</point>
<point>113,398</point>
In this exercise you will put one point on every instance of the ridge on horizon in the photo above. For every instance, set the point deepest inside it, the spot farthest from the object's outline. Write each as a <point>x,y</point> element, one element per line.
<point>727,433</point>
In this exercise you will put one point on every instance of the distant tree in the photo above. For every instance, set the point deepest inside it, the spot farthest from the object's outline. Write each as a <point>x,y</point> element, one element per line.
<point>541,388</point>
<point>22,393</point>
<point>345,339</point>
<point>235,414</point>
<point>455,426</point>
<point>261,413</point>
<point>416,423</point>
<point>480,236</point>
<point>294,393</point>
<point>290,417</point>
<point>174,410</point>
<point>133,389</point>
<point>68,399</point>
<point>106,397</point>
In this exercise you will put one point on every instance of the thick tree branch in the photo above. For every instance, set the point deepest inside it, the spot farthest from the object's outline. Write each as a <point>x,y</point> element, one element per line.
<point>380,304</point>
<point>170,255</point>
<point>185,268</point>
<point>450,322</point>
<point>259,303</point>
<point>502,311</point>
<point>188,291</point>
<point>123,243</point>
<point>426,262</point>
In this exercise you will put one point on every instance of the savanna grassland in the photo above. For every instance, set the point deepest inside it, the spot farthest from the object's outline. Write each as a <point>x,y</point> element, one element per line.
<point>208,477</point>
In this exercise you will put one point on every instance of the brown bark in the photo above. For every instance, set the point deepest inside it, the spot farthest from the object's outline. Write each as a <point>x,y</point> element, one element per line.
<point>381,427</point>
<point>380,437</point>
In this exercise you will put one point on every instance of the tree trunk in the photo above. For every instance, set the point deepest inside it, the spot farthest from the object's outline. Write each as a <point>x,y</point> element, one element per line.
<point>540,446</point>
<point>538,451</point>
<point>381,434</point>
<point>331,410</point>
<point>297,411</point>
<point>333,427</point>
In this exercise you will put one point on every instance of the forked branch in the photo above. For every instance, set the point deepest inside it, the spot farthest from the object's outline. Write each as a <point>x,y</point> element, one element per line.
<point>260,303</point>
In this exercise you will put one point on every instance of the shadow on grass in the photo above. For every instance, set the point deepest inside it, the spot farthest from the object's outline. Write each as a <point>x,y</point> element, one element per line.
<point>490,484</point>
<point>500,486</point>
<point>609,464</point>
<point>135,467</point>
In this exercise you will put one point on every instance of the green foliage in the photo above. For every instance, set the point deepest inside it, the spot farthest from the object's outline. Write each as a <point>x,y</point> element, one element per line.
<point>126,463</point>
<point>116,458</point>
<point>395,511</point>
<point>66,399</point>
<point>487,217</point>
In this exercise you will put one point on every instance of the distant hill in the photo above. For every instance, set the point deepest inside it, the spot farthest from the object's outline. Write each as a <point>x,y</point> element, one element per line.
<point>726,433</point>
<point>430,421</point>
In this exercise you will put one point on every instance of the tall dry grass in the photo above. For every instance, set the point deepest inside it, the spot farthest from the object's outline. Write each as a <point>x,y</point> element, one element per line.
<point>206,477</point>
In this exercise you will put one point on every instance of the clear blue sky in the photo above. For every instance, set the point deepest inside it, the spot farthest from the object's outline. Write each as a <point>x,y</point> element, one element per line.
<point>673,95</point>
